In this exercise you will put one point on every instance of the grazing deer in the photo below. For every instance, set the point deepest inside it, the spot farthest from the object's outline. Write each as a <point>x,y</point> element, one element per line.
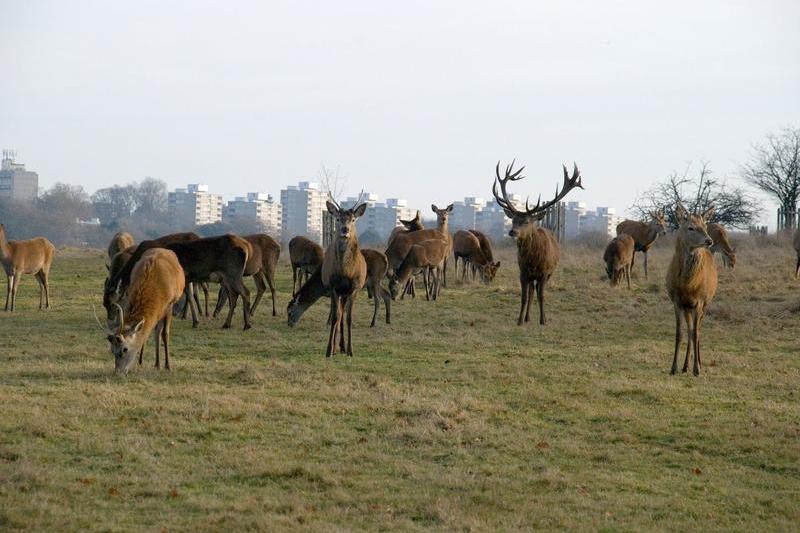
<point>305,256</point>
<point>467,247</point>
<point>537,248</point>
<point>313,289</point>
<point>691,281</point>
<point>344,272</point>
<point>120,241</point>
<point>157,282</point>
<point>618,258</point>
<point>428,255</point>
<point>34,256</point>
<point>222,257</point>
<point>721,244</point>
<point>486,248</point>
<point>261,263</point>
<point>644,234</point>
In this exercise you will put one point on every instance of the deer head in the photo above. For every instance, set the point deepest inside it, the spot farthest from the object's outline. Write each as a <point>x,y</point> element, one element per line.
<point>125,342</point>
<point>692,228</point>
<point>658,222</point>
<point>345,218</point>
<point>490,271</point>
<point>522,220</point>
<point>442,214</point>
<point>413,224</point>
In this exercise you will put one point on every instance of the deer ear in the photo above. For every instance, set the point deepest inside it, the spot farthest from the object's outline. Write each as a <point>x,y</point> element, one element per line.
<point>707,214</point>
<point>680,213</point>
<point>360,210</point>
<point>110,338</point>
<point>331,207</point>
<point>449,208</point>
<point>434,208</point>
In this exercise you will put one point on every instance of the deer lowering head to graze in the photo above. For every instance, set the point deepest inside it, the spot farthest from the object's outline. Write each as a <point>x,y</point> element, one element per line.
<point>425,256</point>
<point>120,241</point>
<point>537,248</point>
<point>313,289</point>
<point>344,272</point>
<point>112,291</point>
<point>721,244</point>
<point>467,247</point>
<point>486,248</point>
<point>34,256</point>
<point>644,233</point>
<point>222,258</point>
<point>305,256</point>
<point>618,258</point>
<point>261,263</point>
<point>157,282</point>
<point>691,281</point>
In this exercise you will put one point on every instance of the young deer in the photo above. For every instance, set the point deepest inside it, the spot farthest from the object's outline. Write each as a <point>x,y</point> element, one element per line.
<point>721,244</point>
<point>486,248</point>
<point>427,255</point>
<point>644,234</point>
<point>467,247</point>
<point>618,258</point>
<point>537,248</point>
<point>344,271</point>
<point>157,282</point>
<point>34,256</point>
<point>691,281</point>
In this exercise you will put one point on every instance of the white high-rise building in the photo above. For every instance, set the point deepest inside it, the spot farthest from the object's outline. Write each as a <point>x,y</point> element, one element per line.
<point>464,213</point>
<point>380,217</point>
<point>256,207</point>
<point>16,183</point>
<point>579,219</point>
<point>301,214</point>
<point>573,215</point>
<point>193,206</point>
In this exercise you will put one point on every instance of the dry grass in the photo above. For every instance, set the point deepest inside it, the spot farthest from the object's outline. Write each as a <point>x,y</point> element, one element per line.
<point>451,418</point>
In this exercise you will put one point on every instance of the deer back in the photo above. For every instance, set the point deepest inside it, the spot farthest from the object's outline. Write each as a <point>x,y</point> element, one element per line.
<point>486,244</point>
<point>30,256</point>
<point>157,282</point>
<point>119,242</point>
<point>466,244</point>
<point>642,233</point>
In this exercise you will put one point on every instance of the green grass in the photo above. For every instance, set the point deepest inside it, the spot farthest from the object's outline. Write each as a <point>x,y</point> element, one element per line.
<point>450,418</point>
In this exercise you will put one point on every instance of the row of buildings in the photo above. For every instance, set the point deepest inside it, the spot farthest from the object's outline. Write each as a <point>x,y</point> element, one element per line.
<point>301,207</point>
<point>16,183</point>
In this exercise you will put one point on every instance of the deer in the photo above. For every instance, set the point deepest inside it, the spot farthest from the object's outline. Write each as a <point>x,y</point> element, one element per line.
<point>313,289</point>
<point>467,247</point>
<point>157,282</point>
<point>305,256</point>
<point>261,263</point>
<point>486,248</point>
<point>691,281</point>
<point>796,245</point>
<point>120,241</point>
<point>618,258</point>
<point>644,233</point>
<point>223,257</point>
<point>34,256</point>
<point>428,255</point>
<point>415,224</point>
<point>344,272</point>
<point>721,244</point>
<point>537,248</point>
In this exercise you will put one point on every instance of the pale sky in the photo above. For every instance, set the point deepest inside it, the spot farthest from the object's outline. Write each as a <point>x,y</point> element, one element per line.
<point>415,99</point>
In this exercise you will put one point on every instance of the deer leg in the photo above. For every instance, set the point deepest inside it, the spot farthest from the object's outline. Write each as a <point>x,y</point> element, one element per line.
<point>342,344</point>
<point>187,291</point>
<point>46,283</point>
<point>17,278</point>
<point>698,318</point>
<point>261,288</point>
<point>10,280</point>
<point>628,276</point>
<point>540,297</point>
<point>244,292</point>
<point>524,294</point>
<point>797,267</point>
<point>157,336</point>
<point>165,338</point>
<point>294,280</point>
<point>270,275</point>
<point>529,300</point>
<point>687,317</point>
<point>196,297</point>
<point>677,340</point>
<point>335,312</point>
<point>377,304</point>
<point>204,286</point>
<point>41,289</point>
<point>222,297</point>
<point>233,298</point>
<point>350,301</point>
<point>185,308</point>
<point>645,265</point>
<point>387,303</point>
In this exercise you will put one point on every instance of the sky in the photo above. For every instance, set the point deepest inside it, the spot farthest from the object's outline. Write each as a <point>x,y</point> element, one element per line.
<point>412,99</point>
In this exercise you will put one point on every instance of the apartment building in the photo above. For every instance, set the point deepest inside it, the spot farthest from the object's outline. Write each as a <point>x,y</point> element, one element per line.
<point>193,206</point>
<point>380,217</point>
<point>256,208</point>
<point>16,183</point>
<point>301,211</point>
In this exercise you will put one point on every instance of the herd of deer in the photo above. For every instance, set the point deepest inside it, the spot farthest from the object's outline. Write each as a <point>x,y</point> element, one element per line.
<point>149,282</point>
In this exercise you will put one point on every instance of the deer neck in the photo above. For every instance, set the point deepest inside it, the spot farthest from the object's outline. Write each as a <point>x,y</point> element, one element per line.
<point>5,249</point>
<point>346,248</point>
<point>442,226</point>
<point>690,258</point>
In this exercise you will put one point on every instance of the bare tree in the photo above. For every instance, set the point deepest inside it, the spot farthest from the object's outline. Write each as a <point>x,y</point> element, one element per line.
<point>333,181</point>
<point>732,205</point>
<point>151,196</point>
<point>774,168</point>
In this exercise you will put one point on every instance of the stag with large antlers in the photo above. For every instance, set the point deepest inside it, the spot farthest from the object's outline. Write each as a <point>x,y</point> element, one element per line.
<point>344,271</point>
<point>537,248</point>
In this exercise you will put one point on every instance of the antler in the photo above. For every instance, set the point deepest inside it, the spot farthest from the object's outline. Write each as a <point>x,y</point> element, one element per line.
<point>333,201</point>
<point>121,325</point>
<point>569,184</point>
<point>504,202</point>
<point>104,329</point>
<point>358,200</point>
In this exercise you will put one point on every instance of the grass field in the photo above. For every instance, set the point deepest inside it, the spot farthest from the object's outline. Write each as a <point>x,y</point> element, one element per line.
<point>451,418</point>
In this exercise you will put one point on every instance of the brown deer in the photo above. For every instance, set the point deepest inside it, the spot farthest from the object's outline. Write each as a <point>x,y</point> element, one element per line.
<point>157,282</point>
<point>344,272</point>
<point>691,281</point>
<point>34,256</point>
<point>398,248</point>
<point>305,256</point>
<point>537,248</point>
<point>467,247</point>
<point>428,255</point>
<point>120,241</point>
<point>313,289</point>
<point>261,263</point>
<point>618,258</point>
<point>721,244</point>
<point>415,224</point>
<point>644,234</point>
<point>486,248</point>
<point>796,244</point>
